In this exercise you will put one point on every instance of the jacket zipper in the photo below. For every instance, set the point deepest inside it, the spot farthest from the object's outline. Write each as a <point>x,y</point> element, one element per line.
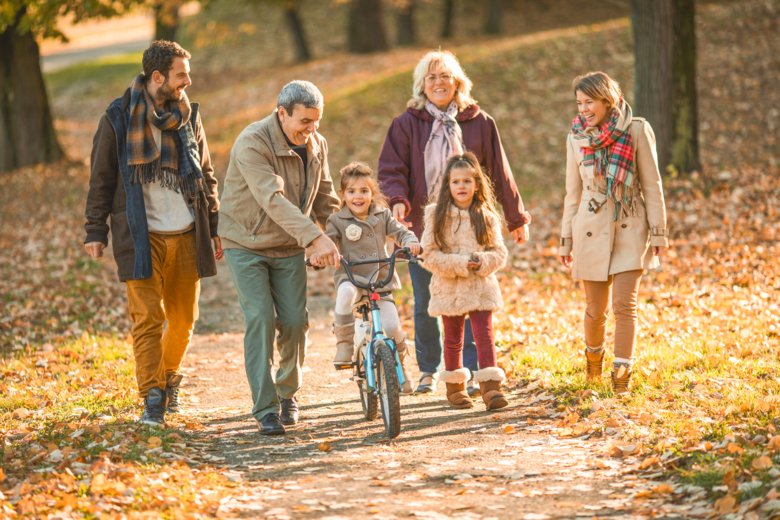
<point>259,225</point>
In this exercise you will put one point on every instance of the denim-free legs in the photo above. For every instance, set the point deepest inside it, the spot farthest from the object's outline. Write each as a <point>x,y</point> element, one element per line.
<point>272,294</point>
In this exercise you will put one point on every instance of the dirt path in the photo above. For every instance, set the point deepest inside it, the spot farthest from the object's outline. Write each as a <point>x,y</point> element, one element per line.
<point>334,464</point>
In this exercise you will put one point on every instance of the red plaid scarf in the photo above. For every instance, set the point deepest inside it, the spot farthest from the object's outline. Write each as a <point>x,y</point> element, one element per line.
<point>611,151</point>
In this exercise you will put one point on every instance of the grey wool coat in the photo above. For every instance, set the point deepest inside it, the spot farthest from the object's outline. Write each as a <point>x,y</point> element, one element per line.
<point>359,240</point>
<point>456,290</point>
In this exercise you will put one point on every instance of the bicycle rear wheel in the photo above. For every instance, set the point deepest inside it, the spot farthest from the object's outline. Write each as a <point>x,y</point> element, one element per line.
<point>389,389</point>
<point>368,399</point>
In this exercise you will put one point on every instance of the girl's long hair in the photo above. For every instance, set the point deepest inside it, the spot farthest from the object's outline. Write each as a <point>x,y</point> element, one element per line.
<point>484,202</point>
<point>360,170</point>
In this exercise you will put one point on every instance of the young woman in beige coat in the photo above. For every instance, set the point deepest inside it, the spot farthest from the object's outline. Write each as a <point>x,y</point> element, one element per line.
<point>614,218</point>
<point>463,248</point>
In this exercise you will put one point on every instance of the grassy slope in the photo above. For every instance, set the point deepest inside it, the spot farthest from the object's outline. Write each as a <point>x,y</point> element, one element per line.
<point>706,402</point>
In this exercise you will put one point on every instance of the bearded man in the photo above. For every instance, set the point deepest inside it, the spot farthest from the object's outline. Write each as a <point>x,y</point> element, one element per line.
<point>151,174</point>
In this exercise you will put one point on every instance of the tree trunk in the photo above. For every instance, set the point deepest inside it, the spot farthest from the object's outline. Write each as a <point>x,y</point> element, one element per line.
<point>446,19</point>
<point>26,129</point>
<point>366,32</point>
<point>652,23</point>
<point>685,129</point>
<point>295,24</point>
<point>406,34</point>
<point>493,18</point>
<point>166,19</point>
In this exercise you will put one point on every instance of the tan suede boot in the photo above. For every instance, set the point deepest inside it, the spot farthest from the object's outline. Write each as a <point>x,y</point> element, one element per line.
<point>345,347</point>
<point>456,387</point>
<point>457,396</point>
<point>594,359</point>
<point>403,354</point>
<point>490,380</point>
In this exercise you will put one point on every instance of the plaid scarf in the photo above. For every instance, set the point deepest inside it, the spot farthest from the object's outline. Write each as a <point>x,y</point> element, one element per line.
<point>173,165</point>
<point>611,151</point>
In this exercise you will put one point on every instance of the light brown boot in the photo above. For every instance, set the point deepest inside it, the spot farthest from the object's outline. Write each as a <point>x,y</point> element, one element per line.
<point>403,354</point>
<point>490,380</point>
<point>594,358</point>
<point>621,374</point>
<point>456,387</point>
<point>345,347</point>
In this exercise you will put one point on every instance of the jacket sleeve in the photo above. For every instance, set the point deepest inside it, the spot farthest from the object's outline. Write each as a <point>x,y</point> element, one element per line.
<point>503,181</point>
<point>333,232</point>
<point>103,178</point>
<point>212,193</point>
<point>400,234</point>
<point>494,258</point>
<point>650,180</point>
<point>395,164</point>
<point>326,201</point>
<point>446,265</point>
<point>267,188</point>
<point>572,200</point>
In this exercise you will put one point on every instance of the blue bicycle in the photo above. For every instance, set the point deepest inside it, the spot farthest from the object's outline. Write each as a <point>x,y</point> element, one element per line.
<point>377,367</point>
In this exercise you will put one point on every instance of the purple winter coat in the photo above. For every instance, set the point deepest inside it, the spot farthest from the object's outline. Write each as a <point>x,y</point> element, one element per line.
<point>402,168</point>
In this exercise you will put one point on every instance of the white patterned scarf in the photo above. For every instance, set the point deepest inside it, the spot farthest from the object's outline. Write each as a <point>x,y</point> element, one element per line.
<point>446,139</point>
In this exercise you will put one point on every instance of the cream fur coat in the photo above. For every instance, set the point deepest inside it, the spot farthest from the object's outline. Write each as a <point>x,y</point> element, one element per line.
<point>455,290</point>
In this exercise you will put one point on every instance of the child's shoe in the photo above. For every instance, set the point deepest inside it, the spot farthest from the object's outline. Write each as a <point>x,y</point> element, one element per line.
<point>345,347</point>
<point>490,380</point>
<point>456,387</point>
<point>403,351</point>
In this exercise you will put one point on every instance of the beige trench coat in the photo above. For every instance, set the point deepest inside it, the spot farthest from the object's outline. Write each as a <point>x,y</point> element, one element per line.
<point>599,245</point>
<point>455,289</point>
<point>367,241</point>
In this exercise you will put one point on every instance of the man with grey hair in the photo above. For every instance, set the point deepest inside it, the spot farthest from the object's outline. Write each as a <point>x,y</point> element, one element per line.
<point>277,186</point>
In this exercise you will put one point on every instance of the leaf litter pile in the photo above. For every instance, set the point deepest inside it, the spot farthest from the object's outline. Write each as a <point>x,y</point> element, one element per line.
<point>701,424</point>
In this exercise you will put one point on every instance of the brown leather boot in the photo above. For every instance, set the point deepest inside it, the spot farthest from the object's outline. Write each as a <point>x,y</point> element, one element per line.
<point>594,359</point>
<point>621,374</point>
<point>490,380</point>
<point>456,387</point>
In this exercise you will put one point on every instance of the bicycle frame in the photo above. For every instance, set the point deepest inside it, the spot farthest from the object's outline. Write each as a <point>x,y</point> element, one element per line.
<point>376,321</point>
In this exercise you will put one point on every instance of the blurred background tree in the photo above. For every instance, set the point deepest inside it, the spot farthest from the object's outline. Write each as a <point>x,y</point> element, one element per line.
<point>26,130</point>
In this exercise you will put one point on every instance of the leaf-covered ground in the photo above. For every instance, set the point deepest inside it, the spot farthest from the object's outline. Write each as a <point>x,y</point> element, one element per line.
<point>702,420</point>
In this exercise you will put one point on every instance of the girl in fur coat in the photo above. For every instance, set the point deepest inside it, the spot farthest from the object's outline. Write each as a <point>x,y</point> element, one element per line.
<point>463,248</point>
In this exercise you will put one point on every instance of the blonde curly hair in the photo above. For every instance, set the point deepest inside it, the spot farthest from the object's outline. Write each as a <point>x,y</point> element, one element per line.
<point>444,60</point>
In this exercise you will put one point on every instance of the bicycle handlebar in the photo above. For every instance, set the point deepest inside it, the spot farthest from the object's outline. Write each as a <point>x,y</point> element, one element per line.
<point>347,265</point>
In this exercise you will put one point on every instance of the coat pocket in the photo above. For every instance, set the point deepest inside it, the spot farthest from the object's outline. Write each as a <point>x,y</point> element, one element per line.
<point>121,240</point>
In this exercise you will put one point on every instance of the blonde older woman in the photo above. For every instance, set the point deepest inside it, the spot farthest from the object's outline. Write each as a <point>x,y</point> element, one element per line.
<point>441,119</point>
<point>614,217</point>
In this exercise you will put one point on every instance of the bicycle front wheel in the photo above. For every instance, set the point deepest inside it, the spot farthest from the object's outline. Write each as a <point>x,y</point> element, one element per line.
<point>389,389</point>
<point>368,399</point>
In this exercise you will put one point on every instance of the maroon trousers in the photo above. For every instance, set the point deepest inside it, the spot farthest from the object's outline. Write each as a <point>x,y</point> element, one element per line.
<point>481,327</point>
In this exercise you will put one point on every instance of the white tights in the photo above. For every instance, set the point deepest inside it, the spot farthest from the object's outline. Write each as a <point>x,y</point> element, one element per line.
<point>346,297</point>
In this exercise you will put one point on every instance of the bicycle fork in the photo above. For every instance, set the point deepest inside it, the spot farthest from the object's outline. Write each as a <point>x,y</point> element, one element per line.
<point>376,331</point>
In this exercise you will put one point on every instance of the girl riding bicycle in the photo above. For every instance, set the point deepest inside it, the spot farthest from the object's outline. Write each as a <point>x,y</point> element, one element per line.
<point>463,248</point>
<point>360,230</point>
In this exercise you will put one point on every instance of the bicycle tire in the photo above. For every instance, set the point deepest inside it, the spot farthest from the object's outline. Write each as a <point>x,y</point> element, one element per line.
<point>389,389</point>
<point>368,400</point>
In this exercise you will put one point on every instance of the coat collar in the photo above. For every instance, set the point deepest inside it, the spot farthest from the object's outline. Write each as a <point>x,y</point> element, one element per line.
<point>470,112</point>
<point>372,219</point>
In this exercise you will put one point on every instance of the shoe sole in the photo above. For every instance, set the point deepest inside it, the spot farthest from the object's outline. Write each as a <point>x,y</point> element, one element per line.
<point>272,433</point>
<point>152,423</point>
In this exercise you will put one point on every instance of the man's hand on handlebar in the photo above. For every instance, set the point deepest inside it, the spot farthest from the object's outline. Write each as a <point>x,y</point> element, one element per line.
<point>324,252</point>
